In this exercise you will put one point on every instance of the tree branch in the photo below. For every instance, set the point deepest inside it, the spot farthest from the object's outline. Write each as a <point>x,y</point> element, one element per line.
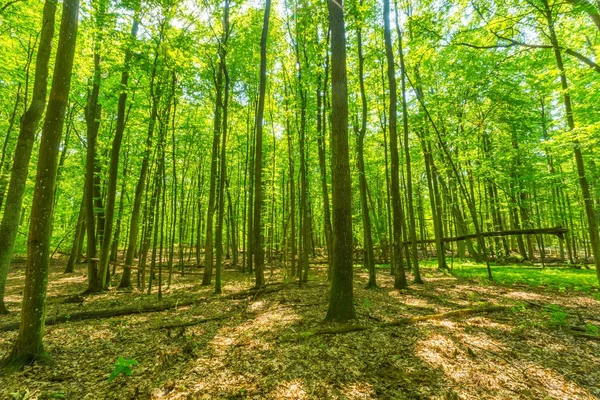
<point>513,43</point>
<point>10,3</point>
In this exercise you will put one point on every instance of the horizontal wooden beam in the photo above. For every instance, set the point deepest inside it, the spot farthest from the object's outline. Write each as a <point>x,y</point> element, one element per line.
<point>557,231</point>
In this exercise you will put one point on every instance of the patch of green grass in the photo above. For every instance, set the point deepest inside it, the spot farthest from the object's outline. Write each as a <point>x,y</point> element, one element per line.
<point>560,279</point>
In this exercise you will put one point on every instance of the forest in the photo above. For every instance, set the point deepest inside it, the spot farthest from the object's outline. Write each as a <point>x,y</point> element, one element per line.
<point>299,199</point>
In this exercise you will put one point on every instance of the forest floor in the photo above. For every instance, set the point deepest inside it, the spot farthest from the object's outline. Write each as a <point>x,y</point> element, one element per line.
<point>543,345</point>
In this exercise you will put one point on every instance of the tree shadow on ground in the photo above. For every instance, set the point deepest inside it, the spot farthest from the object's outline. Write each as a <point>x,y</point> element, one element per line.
<point>248,355</point>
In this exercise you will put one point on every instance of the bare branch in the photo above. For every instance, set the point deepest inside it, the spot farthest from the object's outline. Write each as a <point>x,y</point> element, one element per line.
<point>10,3</point>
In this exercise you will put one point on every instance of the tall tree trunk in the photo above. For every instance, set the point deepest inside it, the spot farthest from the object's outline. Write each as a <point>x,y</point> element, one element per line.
<point>113,172</point>
<point>29,124</point>
<point>292,189</point>
<point>369,254</point>
<point>389,225</point>
<point>435,202</point>
<point>115,243</point>
<point>400,280</point>
<point>140,186</point>
<point>93,112</point>
<point>250,206</point>
<point>410,210</point>
<point>217,123</point>
<point>223,159</point>
<point>583,183</point>
<point>257,243</point>
<point>341,298</point>
<point>28,345</point>
<point>321,141</point>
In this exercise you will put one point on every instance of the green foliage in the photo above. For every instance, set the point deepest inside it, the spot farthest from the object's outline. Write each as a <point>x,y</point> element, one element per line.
<point>53,395</point>
<point>558,316</point>
<point>556,279</point>
<point>367,304</point>
<point>592,329</point>
<point>122,366</point>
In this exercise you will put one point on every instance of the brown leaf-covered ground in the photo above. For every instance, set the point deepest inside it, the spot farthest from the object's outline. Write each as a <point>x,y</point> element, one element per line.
<point>527,352</point>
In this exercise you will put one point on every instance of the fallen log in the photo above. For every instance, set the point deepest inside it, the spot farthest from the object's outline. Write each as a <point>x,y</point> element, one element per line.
<point>401,322</point>
<point>586,336</point>
<point>252,292</point>
<point>101,314</point>
<point>193,322</point>
<point>437,299</point>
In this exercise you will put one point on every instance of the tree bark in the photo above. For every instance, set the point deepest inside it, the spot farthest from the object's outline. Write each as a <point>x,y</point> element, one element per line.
<point>341,298</point>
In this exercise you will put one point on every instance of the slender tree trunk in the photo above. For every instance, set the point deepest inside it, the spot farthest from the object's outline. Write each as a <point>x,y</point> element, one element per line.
<point>321,135</point>
<point>412,230</point>
<point>583,183</point>
<point>258,249</point>
<point>209,246</point>
<point>400,281</point>
<point>223,158</point>
<point>292,189</point>
<point>115,244</point>
<point>369,254</point>
<point>79,230</point>
<point>93,198</point>
<point>174,191</point>
<point>434,198</point>
<point>29,124</point>
<point>113,172</point>
<point>390,227</point>
<point>250,207</point>
<point>140,187</point>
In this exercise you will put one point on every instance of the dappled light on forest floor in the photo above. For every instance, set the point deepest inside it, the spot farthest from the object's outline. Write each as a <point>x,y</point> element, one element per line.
<point>262,345</point>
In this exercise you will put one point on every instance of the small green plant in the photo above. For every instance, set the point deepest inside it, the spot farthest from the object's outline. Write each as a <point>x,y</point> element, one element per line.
<point>558,316</point>
<point>592,329</point>
<point>123,365</point>
<point>519,307</point>
<point>367,304</point>
<point>52,395</point>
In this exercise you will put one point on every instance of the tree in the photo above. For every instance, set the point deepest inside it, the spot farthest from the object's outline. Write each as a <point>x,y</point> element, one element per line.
<point>258,237</point>
<point>362,179</point>
<point>28,345</point>
<point>115,153</point>
<point>28,127</point>
<point>341,298</point>
<point>397,213</point>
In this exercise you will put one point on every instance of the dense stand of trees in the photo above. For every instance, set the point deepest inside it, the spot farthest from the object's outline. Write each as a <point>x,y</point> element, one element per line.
<point>224,134</point>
